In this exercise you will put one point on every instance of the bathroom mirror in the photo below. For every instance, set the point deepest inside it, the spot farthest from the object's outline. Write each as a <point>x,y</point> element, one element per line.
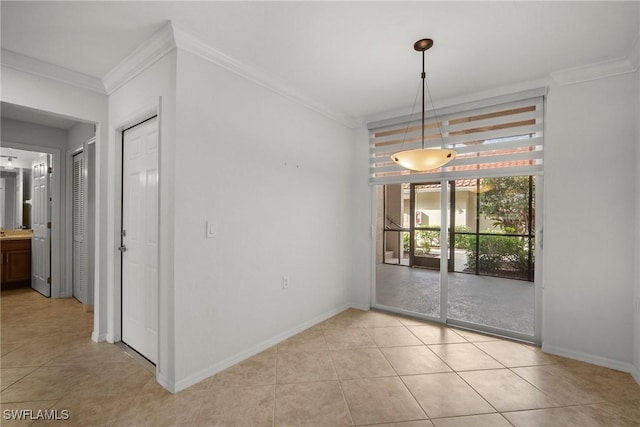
<point>15,195</point>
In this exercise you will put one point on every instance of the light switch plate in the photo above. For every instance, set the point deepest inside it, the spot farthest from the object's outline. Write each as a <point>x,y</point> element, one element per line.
<point>211,229</point>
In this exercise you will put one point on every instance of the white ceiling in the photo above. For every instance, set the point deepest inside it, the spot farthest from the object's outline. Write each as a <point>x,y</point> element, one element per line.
<point>355,58</point>
<point>22,158</point>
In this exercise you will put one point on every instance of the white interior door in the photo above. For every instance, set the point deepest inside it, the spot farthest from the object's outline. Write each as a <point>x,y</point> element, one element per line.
<point>140,238</point>
<point>79,272</point>
<point>41,224</point>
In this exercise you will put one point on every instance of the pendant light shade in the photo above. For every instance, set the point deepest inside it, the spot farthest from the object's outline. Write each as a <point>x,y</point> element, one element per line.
<point>424,159</point>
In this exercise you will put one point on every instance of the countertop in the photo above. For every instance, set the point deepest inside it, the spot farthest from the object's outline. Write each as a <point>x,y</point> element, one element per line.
<point>16,235</point>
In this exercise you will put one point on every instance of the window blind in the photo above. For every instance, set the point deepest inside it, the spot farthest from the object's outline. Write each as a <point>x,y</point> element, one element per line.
<point>495,137</point>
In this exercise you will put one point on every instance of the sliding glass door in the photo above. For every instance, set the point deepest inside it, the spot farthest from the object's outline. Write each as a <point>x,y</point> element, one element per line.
<point>485,229</point>
<point>409,221</point>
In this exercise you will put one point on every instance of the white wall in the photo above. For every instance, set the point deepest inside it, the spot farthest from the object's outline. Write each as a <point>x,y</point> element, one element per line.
<point>151,92</point>
<point>589,253</point>
<point>79,134</point>
<point>15,132</point>
<point>44,94</point>
<point>362,228</point>
<point>276,179</point>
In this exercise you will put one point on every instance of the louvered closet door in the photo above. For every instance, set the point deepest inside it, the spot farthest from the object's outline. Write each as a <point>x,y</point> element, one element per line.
<point>79,223</point>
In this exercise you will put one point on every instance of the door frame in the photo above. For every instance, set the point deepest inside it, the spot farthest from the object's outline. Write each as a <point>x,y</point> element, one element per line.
<point>60,286</point>
<point>133,119</point>
<point>121,240</point>
<point>89,149</point>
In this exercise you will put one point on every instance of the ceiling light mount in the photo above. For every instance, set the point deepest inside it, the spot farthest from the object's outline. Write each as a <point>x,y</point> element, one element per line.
<point>424,159</point>
<point>423,44</point>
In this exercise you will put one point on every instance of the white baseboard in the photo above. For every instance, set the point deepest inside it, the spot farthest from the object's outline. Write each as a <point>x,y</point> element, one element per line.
<point>96,337</point>
<point>361,307</point>
<point>252,351</point>
<point>636,375</point>
<point>594,360</point>
<point>166,383</point>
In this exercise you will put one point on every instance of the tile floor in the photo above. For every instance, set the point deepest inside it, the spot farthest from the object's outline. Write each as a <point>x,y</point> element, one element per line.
<point>357,368</point>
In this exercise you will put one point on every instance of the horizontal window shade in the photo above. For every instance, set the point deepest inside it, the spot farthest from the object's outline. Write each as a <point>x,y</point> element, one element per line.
<point>501,139</point>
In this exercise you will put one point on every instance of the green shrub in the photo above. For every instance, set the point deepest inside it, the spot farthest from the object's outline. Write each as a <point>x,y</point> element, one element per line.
<point>462,241</point>
<point>423,243</point>
<point>406,244</point>
<point>427,239</point>
<point>498,252</point>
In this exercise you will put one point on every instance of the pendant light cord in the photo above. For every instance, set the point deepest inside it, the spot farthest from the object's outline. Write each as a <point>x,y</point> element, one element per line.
<point>425,85</point>
<point>433,108</point>
<point>423,75</point>
<point>413,111</point>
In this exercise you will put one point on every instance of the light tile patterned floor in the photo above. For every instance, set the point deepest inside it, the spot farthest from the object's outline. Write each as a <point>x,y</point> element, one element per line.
<point>357,368</point>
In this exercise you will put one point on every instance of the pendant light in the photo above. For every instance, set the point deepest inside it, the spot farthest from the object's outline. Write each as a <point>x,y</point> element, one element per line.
<point>9,165</point>
<point>424,159</point>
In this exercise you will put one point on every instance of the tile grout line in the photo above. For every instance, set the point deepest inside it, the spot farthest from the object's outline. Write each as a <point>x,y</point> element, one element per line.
<point>473,388</point>
<point>275,386</point>
<point>455,371</point>
<point>344,398</point>
<point>509,368</point>
<point>424,411</point>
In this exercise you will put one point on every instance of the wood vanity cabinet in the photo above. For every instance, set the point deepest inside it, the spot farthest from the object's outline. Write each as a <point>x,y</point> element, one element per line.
<point>16,261</point>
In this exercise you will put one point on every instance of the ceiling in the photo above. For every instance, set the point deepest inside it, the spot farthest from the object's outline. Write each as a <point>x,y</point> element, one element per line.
<point>354,58</point>
<point>21,158</point>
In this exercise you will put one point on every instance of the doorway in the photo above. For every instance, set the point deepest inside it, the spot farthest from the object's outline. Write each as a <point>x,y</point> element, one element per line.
<point>139,238</point>
<point>27,223</point>
<point>425,233</point>
<point>412,230</point>
<point>28,131</point>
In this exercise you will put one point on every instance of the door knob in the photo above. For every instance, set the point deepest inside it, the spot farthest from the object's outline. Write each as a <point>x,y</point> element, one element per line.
<point>122,248</point>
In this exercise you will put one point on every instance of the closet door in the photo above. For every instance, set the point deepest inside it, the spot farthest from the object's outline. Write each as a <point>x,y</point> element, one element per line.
<point>79,273</point>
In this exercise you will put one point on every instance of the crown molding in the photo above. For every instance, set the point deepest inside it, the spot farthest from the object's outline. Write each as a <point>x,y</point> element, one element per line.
<point>151,50</point>
<point>34,66</point>
<point>188,43</point>
<point>610,68</point>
